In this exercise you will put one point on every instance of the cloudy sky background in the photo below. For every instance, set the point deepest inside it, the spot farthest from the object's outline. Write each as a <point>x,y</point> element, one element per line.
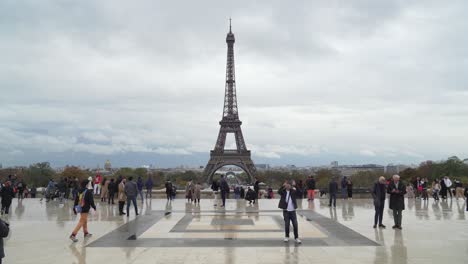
<point>317,81</point>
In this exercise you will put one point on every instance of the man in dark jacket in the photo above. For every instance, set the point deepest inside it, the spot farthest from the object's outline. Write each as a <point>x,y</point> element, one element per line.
<point>256,188</point>
<point>397,191</point>
<point>111,191</point>
<point>378,193</point>
<point>332,191</point>
<point>7,195</point>
<point>344,187</point>
<point>168,186</point>
<point>149,187</point>
<point>289,205</point>
<point>224,190</point>
<point>4,230</point>
<point>131,190</point>
<point>310,184</point>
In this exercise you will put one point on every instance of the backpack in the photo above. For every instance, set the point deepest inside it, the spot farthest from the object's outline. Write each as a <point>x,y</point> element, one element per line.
<point>79,206</point>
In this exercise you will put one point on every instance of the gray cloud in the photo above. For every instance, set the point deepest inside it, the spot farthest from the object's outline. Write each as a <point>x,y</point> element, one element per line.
<point>358,81</point>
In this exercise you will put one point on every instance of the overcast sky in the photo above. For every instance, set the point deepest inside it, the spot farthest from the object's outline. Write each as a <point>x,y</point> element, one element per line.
<point>317,81</point>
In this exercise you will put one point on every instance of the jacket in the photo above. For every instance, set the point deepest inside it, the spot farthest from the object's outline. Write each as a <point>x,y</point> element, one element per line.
<point>7,194</point>
<point>224,186</point>
<point>378,195</point>
<point>293,196</point>
<point>397,200</point>
<point>121,195</point>
<point>149,184</point>
<point>333,187</point>
<point>88,200</point>
<point>131,189</point>
<point>4,230</point>
<point>310,183</point>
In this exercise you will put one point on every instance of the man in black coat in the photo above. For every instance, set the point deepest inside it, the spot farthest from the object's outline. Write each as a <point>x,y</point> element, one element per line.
<point>397,191</point>
<point>332,191</point>
<point>256,188</point>
<point>310,184</point>
<point>7,195</point>
<point>289,205</point>
<point>379,192</point>
<point>224,189</point>
<point>4,230</point>
<point>111,191</point>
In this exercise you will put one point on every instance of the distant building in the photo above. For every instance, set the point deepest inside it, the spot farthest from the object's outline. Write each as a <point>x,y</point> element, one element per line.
<point>350,170</point>
<point>395,168</point>
<point>262,166</point>
<point>107,166</point>
<point>334,164</point>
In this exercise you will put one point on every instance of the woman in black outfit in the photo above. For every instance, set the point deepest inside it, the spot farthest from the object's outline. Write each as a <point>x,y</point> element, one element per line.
<point>7,195</point>
<point>86,200</point>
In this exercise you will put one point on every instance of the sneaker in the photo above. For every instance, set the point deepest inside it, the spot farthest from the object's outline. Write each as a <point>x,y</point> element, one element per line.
<point>88,235</point>
<point>298,241</point>
<point>382,226</point>
<point>73,238</point>
<point>399,227</point>
<point>286,239</point>
<point>375,226</point>
<point>394,226</point>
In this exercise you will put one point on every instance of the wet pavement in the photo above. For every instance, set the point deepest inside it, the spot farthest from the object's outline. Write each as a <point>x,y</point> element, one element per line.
<point>178,232</point>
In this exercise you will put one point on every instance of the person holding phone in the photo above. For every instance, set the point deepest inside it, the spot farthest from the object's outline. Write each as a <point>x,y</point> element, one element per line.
<point>289,205</point>
<point>397,191</point>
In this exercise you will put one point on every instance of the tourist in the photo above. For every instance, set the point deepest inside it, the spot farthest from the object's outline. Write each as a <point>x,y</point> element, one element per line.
<point>332,191</point>
<point>215,188</point>
<point>349,187</point>
<point>224,186</point>
<point>4,230</point>
<point>344,184</point>
<point>121,196</point>
<point>174,191</point>
<point>242,192</point>
<point>33,191</point>
<point>75,188</point>
<point>62,188</point>
<point>149,187</point>
<point>379,193</point>
<point>435,189</point>
<point>189,188</point>
<point>168,186</point>
<point>197,193</point>
<point>90,185</point>
<point>310,183</point>
<point>104,189</point>
<point>410,191</point>
<point>83,204</point>
<point>20,187</point>
<point>69,184</point>
<point>289,205</point>
<point>131,191</point>
<point>458,189</point>
<point>250,196</point>
<point>97,184</point>
<point>237,192</point>
<point>466,195</point>
<point>299,189</point>
<point>7,193</point>
<point>140,185</point>
<point>111,188</point>
<point>397,191</point>
<point>418,187</point>
<point>256,188</point>
<point>424,189</point>
<point>448,184</point>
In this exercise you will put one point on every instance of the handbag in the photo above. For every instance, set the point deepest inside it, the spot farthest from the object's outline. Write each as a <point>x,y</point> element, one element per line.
<point>79,206</point>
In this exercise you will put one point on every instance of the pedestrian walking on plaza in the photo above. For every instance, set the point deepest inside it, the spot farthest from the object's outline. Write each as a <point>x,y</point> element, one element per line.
<point>111,190</point>
<point>215,188</point>
<point>349,187</point>
<point>310,184</point>
<point>189,189</point>
<point>435,189</point>
<point>83,204</point>
<point>425,196</point>
<point>20,187</point>
<point>4,230</point>
<point>418,187</point>
<point>289,205</point>
<point>250,196</point>
<point>466,195</point>
<point>62,188</point>
<point>104,189</point>
<point>344,189</point>
<point>131,191</point>
<point>256,188</point>
<point>224,186</point>
<point>168,186</point>
<point>7,193</point>
<point>97,184</point>
<point>446,184</point>
<point>140,187</point>
<point>121,196</point>
<point>379,192</point>
<point>458,189</point>
<point>33,191</point>
<point>149,187</point>
<point>397,191</point>
<point>197,193</point>
<point>332,192</point>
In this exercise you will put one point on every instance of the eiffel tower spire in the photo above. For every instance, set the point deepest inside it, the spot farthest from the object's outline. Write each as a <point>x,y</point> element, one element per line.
<point>230,123</point>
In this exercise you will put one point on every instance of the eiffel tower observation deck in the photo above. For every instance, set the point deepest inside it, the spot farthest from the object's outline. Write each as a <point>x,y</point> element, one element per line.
<point>230,123</point>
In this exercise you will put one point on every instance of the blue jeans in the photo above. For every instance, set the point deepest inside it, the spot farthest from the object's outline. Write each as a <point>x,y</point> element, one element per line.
<point>133,200</point>
<point>223,197</point>
<point>332,199</point>
<point>344,192</point>
<point>140,192</point>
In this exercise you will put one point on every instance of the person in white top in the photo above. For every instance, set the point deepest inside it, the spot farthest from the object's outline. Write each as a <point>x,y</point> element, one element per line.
<point>289,205</point>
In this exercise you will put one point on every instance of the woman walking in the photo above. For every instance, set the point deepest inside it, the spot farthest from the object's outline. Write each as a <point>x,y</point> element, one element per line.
<point>189,188</point>
<point>83,204</point>
<point>197,193</point>
<point>349,187</point>
<point>104,189</point>
<point>435,189</point>
<point>122,196</point>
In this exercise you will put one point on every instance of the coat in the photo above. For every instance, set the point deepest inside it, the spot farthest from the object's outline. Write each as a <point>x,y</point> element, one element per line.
<point>4,230</point>
<point>333,187</point>
<point>378,195</point>
<point>282,203</point>
<point>397,200</point>
<point>122,196</point>
<point>197,191</point>
<point>7,195</point>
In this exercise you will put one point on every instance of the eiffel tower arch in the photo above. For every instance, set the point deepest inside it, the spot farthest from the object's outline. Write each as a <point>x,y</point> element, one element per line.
<point>230,123</point>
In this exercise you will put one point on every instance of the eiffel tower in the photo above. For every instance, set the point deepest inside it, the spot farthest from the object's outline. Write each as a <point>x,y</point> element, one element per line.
<point>230,123</point>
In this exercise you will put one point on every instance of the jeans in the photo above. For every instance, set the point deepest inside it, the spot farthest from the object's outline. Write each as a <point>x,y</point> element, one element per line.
<point>134,201</point>
<point>344,193</point>
<point>149,192</point>
<point>121,207</point>
<point>140,192</point>
<point>397,217</point>
<point>290,216</point>
<point>379,213</point>
<point>332,199</point>
<point>111,197</point>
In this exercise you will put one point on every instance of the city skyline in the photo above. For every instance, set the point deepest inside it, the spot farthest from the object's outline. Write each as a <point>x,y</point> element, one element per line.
<point>317,82</point>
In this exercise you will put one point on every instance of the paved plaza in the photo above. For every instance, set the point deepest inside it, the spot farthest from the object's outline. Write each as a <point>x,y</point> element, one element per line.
<point>184,233</point>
